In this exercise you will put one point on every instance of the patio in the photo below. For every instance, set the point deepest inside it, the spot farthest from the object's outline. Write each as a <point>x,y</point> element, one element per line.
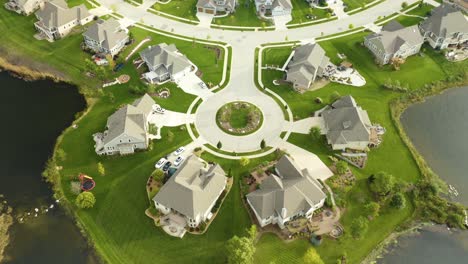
<point>174,224</point>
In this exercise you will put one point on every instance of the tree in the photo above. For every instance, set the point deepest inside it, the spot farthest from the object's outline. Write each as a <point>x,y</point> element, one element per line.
<point>341,167</point>
<point>61,155</point>
<point>101,169</point>
<point>312,257</point>
<point>315,132</point>
<point>157,175</point>
<point>351,26</point>
<point>219,145</point>
<point>85,200</point>
<point>252,233</point>
<point>382,183</point>
<point>404,5</point>
<point>398,201</point>
<point>244,161</point>
<point>262,144</point>
<point>240,250</point>
<point>359,226</point>
<point>334,96</point>
<point>372,209</point>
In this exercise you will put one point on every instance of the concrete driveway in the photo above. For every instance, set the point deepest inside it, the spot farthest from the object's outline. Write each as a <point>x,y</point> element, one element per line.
<point>170,119</point>
<point>303,126</point>
<point>190,83</point>
<point>281,21</point>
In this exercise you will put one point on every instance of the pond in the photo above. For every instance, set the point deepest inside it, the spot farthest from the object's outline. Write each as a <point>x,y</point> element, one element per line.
<point>33,116</point>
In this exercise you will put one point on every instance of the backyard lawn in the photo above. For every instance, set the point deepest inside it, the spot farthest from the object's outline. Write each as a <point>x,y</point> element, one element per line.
<point>181,8</point>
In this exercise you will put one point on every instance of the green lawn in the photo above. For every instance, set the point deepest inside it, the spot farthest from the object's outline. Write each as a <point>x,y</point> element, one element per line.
<point>392,156</point>
<point>245,16</point>
<point>422,11</point>
<point>301,9</point>
<point>353,4</point>
<point>181,8</point>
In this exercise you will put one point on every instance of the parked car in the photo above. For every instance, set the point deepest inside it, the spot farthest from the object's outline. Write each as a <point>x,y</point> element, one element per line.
<point>202,85</point>
<point>179,151</point>
<point>166,166</point>
<point>178,161</point>
<point>158,109</point>
<point>160,163</point>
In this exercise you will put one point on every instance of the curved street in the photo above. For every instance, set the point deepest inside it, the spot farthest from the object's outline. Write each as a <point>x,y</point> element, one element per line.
<point>241,86</point>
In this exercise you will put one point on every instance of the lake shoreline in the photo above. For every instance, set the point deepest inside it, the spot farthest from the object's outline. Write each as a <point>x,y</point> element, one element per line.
<point>24,72</point>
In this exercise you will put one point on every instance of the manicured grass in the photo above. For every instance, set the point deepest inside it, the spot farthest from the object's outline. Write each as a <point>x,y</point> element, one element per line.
<point>181,8</point>
<point>353,4</point>
<point>245,16</point>
<point>72,3</point>
<point>239,119</point>
<point>301,9</point>
<point>422,11</point>
<point>391,156</point>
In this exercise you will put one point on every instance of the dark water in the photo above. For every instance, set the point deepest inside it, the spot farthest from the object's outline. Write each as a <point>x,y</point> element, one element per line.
<point>33,115</point>
<point>439,128</point>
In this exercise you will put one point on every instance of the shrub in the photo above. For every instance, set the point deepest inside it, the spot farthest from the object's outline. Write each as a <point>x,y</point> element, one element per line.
<point>85,200</point>
<point>398,201</point>
<point>75,187</point>
<point>359,226</point>
<point>341,167</point>
<point>382,183</point>
<point>372,209</point>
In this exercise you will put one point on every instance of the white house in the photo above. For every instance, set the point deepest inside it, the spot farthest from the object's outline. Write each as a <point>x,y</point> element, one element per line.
<point>24,7</point>
<point>126,129</point>
<point>165,62</point>
<point>273,7</point>
<point>56,20</point>
<point>192,191</point>
<point>106,36</point>
<point>446,26</point>
<point>285,195</point>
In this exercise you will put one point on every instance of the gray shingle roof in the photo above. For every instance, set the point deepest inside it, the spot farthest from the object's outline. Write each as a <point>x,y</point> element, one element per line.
<point>107,32</point>
<point>130,120</point>
<point>287,194</point>
<point>56,13</point>
<point>346,122</point>
<point>165,58</point>
<point>444,21</point>
<point>393,36</point>
<point>305,63</point>
<point>213,4</point>
<point>192,189</point>
<point>286,4</point>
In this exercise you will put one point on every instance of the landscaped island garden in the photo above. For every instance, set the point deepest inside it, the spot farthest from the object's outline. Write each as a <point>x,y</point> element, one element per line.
<point>393,190</point>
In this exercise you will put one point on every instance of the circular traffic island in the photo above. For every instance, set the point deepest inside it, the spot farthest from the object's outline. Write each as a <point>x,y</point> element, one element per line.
<point>239,118</point>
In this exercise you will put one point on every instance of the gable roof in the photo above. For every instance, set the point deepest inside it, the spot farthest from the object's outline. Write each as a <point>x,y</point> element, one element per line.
<point>165,58</point>
<point>129,120</point>
<point>305,63</point>
<point>286,194</point>
<point>106,32</point>
<point>285,4</point>
<point>346,122</point>
<point>55,13</point>
<point>393,36</point>
<point>193,188</point>
<point>444,21</point>
<point>213,4</point>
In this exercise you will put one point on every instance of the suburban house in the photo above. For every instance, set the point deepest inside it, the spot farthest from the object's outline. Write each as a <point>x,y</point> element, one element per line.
<point>126,129</point>
<point>446,26</point>
<point>274,7</point>
<point>25,7</point>
<point>106,36</point>
<point>56,20</point>
<point>216,6</point>
<point>347,125</point>
<point>288,193</point>
<point>192,191</point>
<point>164,62</point>
<point>394,41</point>
<point>308,62</point>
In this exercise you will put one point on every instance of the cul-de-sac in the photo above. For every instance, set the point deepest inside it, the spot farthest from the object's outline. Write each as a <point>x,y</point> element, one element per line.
<point>242,131</point>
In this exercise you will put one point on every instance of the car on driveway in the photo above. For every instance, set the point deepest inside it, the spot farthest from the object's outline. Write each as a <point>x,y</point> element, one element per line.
<point>160,163</point>
<point>166,166</point>
<point>202,85</point>
<point>179,151</point>
<point>158,109</point>
<point>178,161</point>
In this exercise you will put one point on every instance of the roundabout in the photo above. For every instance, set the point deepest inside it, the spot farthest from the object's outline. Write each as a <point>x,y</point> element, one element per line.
<point>239,118</point>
